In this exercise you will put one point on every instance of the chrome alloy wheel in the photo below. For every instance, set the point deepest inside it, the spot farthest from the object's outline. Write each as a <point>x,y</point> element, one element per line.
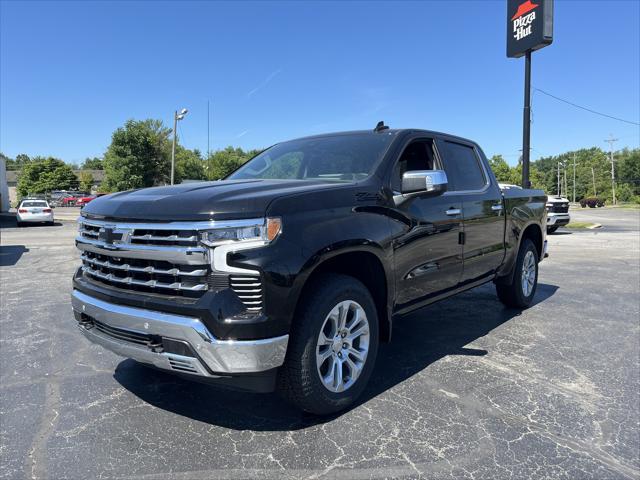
<point>342,347</point>
<point>528,276</point>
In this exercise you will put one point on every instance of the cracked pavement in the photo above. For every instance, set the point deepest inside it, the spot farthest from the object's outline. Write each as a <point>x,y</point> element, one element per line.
<point>466,389</point>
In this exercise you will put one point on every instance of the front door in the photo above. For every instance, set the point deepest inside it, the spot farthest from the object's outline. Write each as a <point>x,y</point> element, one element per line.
<point>428,256</point>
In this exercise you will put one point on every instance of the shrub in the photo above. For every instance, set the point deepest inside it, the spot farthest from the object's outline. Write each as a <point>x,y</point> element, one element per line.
<point>592,202</point>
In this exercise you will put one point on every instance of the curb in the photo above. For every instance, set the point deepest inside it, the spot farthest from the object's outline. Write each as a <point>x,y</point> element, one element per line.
<point>595,225</point>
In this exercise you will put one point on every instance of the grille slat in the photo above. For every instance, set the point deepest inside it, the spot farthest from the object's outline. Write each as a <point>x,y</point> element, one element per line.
<point>120,334</point>
<point>169,238</point>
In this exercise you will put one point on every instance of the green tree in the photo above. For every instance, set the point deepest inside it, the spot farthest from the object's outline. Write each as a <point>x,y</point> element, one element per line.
<point>628,169</point>
<point>222,162</point>
<point>20,160</point>
<point>44,175</point>
<point>138,157</point>
<point>86,181</point>
<point>501,168</point>
<point>189,165</point>
<point>94,163</point>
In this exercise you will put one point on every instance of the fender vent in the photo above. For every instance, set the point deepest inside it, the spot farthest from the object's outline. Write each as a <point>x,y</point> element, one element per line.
<point>249,290</point>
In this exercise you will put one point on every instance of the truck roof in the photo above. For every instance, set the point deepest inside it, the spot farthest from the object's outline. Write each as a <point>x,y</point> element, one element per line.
<point>394,131</point>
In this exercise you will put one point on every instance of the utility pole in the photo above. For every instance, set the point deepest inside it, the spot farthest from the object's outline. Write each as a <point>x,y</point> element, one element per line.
<point>593,176</point>
<point>566,187</point>
<point>208,129</point>
<point>558,181</point>
<point>611,141</point>
<point>574,178</point>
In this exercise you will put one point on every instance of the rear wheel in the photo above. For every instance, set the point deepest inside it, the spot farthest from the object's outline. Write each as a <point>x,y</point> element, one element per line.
<point>332,348</point>
<point>520,293</point>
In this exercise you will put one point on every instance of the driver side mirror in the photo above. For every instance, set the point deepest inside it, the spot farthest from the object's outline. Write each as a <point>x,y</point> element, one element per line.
<point>433,182</point>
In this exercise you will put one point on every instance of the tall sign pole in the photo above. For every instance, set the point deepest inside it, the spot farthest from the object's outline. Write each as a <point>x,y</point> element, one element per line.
<point>529,28</point>
<point>526,122</point>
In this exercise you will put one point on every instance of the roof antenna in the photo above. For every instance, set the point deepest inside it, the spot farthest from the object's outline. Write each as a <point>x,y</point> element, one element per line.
<point>380,126</point>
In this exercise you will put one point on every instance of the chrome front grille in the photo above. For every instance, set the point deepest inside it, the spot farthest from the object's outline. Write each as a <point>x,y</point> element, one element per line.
<point>249,290</point>
<point>559,208</point>
<point>145,275</point>
<point>162,259</point>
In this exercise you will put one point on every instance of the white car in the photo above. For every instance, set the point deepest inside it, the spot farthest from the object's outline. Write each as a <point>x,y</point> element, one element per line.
<point>34,211</point>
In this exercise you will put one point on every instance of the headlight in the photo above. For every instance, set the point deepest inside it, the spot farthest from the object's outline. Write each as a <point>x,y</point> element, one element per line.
<point>549,206</point>
<point>264,232</point>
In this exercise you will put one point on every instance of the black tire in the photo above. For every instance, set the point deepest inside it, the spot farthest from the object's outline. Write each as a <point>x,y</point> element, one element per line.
<point>19,224</point>
<point>551,229</point>
<point>513,295</point>
<point>298,379</point>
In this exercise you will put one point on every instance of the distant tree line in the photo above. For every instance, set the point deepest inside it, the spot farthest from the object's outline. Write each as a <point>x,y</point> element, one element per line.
<point>592,174</point>
<point>139,156</point>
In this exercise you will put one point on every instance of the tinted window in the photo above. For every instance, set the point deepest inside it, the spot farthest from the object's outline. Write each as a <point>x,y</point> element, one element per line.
<point>462,166</point>
<point>417,156</point>
<point>338,158</point>
<point>33,204</point>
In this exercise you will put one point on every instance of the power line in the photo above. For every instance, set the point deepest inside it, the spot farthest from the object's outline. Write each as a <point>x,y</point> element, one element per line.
<point>585,108</point>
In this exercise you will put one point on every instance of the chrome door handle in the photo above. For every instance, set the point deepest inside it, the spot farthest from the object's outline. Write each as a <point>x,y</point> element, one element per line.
<point>496,208</point>
<point>453,211</point>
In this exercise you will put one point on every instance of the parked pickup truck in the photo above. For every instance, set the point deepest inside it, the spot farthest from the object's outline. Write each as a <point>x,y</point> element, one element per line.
<point>289,273</point>
<point>557,213</point>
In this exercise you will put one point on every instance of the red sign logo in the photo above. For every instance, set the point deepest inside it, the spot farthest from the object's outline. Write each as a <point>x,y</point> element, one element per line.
<point>525,7</point>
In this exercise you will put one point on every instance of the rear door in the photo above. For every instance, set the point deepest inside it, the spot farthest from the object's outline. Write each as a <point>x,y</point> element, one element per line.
<point>483,211</point>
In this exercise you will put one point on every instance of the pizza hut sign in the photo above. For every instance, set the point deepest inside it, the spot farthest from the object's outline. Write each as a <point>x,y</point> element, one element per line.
<point>529,25</point>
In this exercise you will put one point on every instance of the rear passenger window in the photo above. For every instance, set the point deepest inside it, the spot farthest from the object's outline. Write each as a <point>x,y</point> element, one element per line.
<point>462,166</point>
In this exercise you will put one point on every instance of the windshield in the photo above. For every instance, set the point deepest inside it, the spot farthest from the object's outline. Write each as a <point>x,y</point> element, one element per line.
<point>34,204</point>
<point>337,158</point>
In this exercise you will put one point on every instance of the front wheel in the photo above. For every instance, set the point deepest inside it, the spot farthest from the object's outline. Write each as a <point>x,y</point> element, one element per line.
<point>332,348</point>
<point>520,293</point>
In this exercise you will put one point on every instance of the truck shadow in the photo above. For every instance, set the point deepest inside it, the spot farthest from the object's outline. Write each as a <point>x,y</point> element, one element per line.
<point>10,254</point>
<point>419,339</point>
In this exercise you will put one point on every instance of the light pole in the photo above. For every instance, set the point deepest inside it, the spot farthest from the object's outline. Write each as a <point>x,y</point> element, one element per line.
<point>574,178</point>
<point>176,116</point>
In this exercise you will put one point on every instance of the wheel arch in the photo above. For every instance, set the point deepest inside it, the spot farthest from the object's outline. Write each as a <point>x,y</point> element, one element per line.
<point>531,231</point>
<point>364,263</point>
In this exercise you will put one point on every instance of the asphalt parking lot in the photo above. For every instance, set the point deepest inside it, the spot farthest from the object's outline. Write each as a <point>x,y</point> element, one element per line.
<point>467,388</point>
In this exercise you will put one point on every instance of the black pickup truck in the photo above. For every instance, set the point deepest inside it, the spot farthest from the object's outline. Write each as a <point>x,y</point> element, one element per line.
<point>289,273</point>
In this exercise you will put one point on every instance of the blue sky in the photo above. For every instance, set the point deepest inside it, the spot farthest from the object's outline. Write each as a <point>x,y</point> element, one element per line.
<point>72,72</point>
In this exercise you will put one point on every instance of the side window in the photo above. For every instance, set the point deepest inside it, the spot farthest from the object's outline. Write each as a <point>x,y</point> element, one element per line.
<point>418,155</point>
<point>462,166</point>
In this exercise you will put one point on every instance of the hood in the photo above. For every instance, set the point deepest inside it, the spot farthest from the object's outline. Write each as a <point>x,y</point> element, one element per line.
<point>221,200</point>
<point>556,199</point>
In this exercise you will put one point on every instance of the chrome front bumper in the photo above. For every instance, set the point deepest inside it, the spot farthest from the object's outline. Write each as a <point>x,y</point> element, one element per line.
<point>212,356</point>
<point>559,219</point>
